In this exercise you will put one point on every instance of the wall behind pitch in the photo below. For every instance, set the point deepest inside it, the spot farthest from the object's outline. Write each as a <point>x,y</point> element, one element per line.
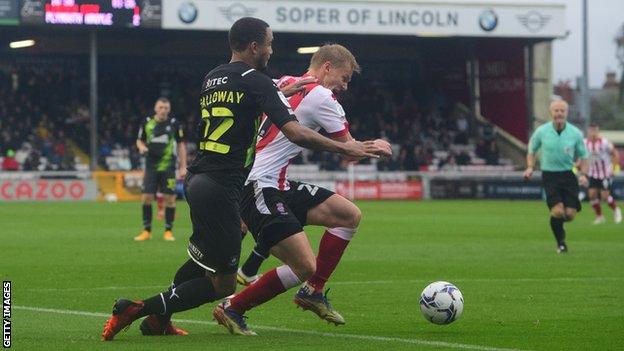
<point>502,85</point>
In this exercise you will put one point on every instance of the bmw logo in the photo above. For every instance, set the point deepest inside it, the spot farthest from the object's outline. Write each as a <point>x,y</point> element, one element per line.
<point>187,12</point>
<point>488,20</point>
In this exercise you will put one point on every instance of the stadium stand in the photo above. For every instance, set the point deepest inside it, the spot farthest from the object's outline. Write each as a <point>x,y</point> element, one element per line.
<point>45,101</point>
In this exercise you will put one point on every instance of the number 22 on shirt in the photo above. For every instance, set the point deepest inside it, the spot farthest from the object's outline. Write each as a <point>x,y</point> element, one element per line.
<point>211,135</point>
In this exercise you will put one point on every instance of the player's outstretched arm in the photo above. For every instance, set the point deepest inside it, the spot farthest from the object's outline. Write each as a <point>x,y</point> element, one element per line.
<point>306,137</point>
<point>386,148</point>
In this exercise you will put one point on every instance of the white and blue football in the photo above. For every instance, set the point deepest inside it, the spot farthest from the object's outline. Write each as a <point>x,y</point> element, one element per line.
<point>441,303</point>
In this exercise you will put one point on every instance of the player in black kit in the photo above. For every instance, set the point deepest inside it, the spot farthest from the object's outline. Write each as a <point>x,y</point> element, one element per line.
<point>233,98</point>
<point>159,138</point>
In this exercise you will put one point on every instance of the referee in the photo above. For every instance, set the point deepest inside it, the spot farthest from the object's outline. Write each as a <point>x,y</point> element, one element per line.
<point>561,144</point>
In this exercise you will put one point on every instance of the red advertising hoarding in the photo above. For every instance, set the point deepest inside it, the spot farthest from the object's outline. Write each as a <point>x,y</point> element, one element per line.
<point>380,190</point>
<point>47,190</point>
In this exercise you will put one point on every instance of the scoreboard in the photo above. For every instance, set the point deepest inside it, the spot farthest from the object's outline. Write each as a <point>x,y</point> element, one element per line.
<point>96,13</point>
<point>92,13</point>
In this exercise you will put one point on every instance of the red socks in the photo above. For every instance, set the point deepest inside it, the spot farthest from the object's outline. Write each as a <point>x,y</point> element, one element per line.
<point>596,205</point>
<point>276,281</point>
<point>331,249</point>
<point>266,288</point>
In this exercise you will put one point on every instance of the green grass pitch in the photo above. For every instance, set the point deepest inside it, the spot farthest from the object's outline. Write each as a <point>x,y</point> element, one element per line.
<point>69,261</point>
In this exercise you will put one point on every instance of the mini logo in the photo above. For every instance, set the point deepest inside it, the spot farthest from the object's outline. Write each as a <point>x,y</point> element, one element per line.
<point>173,294</point>
<point>488,20</point>
<point>187,12</point>
<point>194,251</point>
<point>533,21</point>
<point>234,261</point>
<point>281,208</point>
<point>161,139</point>
<point>236,11</point>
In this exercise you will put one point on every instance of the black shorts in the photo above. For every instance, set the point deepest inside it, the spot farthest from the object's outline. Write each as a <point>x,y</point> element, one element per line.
<point>163,181</point>
<point>561,187</point>
<point>273,215</point>
<point>215,213</point>
<point>600,184</point>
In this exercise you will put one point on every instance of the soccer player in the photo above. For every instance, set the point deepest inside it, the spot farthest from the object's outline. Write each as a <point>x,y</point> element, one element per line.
<point>561,144</point>
<point>160,139</point>
<point>603,161</point>
<point>233,97</point>
<point>275,209</point>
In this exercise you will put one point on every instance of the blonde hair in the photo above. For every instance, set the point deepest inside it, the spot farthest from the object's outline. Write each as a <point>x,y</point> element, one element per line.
<point>337,55</point>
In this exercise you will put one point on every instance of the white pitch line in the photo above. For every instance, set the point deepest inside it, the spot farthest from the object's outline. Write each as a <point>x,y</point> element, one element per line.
<point>297,331</point>
<point>486,280</point>
<point>161,287</point>
<point>361,282</point>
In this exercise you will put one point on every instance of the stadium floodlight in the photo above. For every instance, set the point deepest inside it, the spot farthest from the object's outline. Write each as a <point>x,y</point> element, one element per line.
<point>307,50</point>
<point>21,44</point>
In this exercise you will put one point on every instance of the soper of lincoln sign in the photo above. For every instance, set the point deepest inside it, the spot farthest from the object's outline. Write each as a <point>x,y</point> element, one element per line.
<point>443,18</point>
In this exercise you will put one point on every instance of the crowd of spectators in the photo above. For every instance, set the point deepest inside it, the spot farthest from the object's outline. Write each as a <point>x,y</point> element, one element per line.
<point>40,115</point>
<point>45,113</point>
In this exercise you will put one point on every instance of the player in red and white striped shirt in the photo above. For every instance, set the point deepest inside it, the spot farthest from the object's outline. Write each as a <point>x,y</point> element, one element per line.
<point>603,162</point>
<point>276,209</point>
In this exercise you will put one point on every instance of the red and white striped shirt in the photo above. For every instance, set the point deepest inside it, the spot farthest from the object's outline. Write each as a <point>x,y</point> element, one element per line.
<point>316,108</point>
<point>599,150</point>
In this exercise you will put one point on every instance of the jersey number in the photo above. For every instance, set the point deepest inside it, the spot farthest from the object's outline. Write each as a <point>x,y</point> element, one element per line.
<point>210,142</point>
<point>312,189</point>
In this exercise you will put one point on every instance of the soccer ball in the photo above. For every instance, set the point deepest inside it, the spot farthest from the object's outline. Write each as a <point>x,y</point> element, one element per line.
<point>441,303</point>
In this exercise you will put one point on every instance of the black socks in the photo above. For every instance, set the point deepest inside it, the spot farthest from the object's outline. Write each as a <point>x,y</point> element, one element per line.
<point>188,271</point>
<point>188,295</point>
<point>169,217</point>
<point>556,224</point>
<point>147,217</point>
<point>254,261</point>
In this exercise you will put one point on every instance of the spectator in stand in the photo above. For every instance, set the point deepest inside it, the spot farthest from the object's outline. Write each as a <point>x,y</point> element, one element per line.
<point>422,158</point>
<point>37,101</point>
<point>463,158</point>
<point>23,152</point>
<point>462,129</point>
<point>481,148</point>
<point>10,163</point>
<point>450,163</point>
<point>407,159</point>
<point>492,154</point>
<point>32,161</point>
